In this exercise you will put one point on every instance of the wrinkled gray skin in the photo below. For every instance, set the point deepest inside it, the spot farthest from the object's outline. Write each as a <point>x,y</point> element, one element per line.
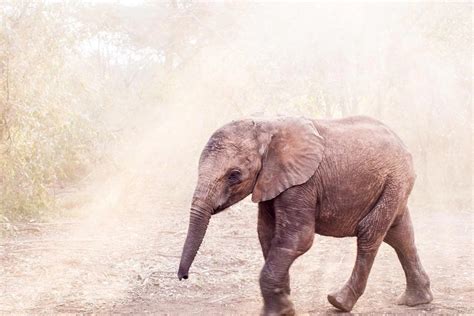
<point>347,177</point>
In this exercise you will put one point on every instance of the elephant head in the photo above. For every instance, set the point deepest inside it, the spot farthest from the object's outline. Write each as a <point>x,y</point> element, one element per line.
<point>262,157</point>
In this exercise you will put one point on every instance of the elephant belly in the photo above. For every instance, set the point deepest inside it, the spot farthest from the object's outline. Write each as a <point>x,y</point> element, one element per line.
<point>339,215</point>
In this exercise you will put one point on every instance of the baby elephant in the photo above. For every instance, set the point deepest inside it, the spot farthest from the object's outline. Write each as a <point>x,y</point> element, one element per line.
<point>346,177</point>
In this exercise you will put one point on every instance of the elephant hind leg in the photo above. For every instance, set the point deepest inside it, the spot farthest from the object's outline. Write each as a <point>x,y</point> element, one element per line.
<point>401,238</point>
<point>346,297</point>
<point>371,231</point>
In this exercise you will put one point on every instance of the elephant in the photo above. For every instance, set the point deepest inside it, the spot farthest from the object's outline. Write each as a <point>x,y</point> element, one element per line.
<point>348,177</point>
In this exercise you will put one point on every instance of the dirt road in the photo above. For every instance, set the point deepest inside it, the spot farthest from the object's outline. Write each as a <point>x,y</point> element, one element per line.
<point>127,262</point>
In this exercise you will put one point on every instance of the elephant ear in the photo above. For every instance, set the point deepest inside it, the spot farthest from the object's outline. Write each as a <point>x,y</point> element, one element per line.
<point>291,150</point>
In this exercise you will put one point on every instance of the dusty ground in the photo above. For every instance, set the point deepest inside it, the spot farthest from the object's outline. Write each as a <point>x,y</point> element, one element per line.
<point>126,263</point>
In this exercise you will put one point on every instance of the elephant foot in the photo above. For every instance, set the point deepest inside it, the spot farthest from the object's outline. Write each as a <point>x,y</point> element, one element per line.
<point>413,297</point>
<point>281,306</point>
<point>344,299</point>
<point>285,312</point>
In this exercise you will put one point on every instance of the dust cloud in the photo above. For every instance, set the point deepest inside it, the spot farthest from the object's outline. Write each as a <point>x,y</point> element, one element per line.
<point>409,65</point>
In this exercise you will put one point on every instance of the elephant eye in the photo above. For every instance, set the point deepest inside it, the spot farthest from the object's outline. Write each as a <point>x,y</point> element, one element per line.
<point>234,176</point>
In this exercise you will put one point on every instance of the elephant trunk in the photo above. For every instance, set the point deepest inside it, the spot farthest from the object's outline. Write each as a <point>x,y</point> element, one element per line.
<point>199,219</point>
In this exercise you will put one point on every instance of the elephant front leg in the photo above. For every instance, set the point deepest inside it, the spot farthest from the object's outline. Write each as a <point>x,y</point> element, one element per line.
<point>402,239</point>
<point>266,232</point>
<point>274,282</point>
<point>287,244</point>
<point>265,226</point>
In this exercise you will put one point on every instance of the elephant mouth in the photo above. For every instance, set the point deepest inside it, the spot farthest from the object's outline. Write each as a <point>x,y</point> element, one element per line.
<point>217,210</point>
<point>220,208</point>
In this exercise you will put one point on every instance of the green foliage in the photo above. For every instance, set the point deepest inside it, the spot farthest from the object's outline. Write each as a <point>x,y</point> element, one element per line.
<point>49,147</point>
<point>49,138</point>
